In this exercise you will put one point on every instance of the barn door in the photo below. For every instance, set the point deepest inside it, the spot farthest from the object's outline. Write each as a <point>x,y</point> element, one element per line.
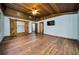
<point>26,27</point>
<point>41,27</point>
<point>13,27</point>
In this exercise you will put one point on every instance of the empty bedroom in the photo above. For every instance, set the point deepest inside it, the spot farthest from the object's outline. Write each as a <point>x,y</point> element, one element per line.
<point>39,28</point>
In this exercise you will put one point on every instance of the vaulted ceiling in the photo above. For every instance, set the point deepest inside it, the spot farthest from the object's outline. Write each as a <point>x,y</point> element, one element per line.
<point>23,10</point>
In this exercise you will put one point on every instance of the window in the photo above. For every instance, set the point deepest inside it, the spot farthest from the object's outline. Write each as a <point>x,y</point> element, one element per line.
<point>20,26</point>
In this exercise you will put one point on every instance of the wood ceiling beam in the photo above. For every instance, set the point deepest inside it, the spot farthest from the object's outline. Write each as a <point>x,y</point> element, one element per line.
<point>20,9</point>
<point>13,6</point>
<point>45,7</point>
<point>54,15</point>
<point>37,6</point>
<point>55,7</point>
<point>29,7</point>
<point>12,12</point>
<point>25,6</point>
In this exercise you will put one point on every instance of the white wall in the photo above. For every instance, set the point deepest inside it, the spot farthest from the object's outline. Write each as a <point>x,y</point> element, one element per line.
<point>6,26</point>
<point>1,25</point>
<point>78,23</point>
<point>30,26</point>
<point>65,26</point>
<point>38,27</point>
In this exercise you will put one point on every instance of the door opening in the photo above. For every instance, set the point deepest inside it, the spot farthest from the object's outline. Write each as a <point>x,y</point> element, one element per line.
<point>33,25</point>
<point>34,28</point>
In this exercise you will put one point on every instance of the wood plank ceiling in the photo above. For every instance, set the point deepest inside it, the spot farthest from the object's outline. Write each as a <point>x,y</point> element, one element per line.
<point>23,10</point>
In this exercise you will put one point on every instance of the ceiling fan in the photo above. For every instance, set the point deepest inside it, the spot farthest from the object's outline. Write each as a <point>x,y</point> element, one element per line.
<point>34,11</point>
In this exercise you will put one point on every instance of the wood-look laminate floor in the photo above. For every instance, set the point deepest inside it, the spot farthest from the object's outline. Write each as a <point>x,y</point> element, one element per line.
<point>39,45</point>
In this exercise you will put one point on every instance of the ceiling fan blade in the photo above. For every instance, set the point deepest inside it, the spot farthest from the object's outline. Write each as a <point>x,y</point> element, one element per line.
<point>38,13</point>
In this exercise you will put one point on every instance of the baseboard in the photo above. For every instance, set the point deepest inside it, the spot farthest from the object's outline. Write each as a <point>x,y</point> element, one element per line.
<point>19,34</point>
<point>61,37</point>
<point>38,33</point>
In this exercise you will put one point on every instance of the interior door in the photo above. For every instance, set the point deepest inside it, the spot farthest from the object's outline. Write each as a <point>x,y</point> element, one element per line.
<point>13,27</point>
<point>41,28</point>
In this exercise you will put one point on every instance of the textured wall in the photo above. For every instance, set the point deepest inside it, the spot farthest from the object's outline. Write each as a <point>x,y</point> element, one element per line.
<point>78,24</point>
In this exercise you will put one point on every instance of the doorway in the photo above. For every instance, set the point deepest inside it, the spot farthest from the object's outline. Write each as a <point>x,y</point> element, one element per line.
<point>34,28</point>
